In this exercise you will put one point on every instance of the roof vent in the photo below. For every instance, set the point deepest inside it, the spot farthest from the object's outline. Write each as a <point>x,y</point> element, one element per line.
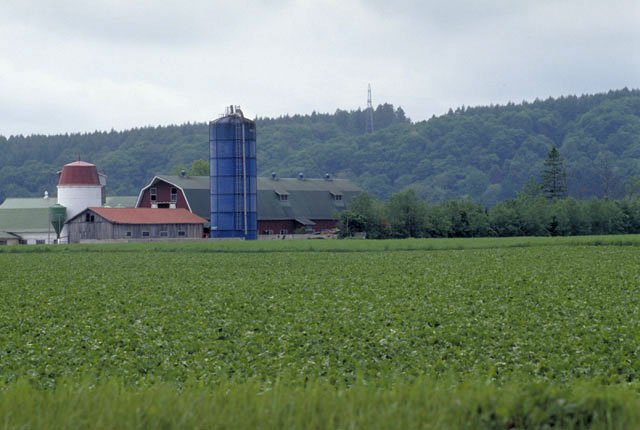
<point>327,177</point>
<point>233,110</point>
<point>183,173</point>
<point>301,176</point>
<point>273,176</point>
<point>46,194</point>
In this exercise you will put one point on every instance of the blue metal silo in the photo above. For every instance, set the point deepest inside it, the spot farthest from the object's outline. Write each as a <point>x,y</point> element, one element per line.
<point>233,175</point>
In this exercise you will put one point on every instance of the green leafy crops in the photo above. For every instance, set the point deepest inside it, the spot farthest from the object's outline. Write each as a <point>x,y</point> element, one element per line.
<point>557,313</point>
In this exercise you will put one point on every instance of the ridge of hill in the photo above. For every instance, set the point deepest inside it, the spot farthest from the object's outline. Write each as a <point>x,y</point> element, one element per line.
<point>486,153</point>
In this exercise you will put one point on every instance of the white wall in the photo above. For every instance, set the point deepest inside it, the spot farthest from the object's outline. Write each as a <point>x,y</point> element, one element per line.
<point>76,199</point>
<point>32,237</point>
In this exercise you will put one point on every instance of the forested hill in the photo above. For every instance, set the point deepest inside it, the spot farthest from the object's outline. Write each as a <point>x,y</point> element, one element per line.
<point>487,153</point>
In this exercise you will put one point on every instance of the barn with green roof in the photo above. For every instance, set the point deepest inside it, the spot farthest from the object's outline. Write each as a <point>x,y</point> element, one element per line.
<point>285,205</point>
<point>28,219</point>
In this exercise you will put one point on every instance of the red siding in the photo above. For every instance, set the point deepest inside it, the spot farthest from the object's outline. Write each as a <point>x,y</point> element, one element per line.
<point>291,226</point>
<point>163,196</point>
<point>276,226</point>
<point>324,224</point>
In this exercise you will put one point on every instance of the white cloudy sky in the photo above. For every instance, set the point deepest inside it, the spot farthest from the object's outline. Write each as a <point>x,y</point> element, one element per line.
<point>82,65</point>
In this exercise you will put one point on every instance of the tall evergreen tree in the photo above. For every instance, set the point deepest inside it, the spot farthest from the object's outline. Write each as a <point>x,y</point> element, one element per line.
<point>554,175</point>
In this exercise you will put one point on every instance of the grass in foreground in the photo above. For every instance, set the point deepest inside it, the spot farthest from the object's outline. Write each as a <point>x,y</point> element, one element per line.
<point>417,405</point>
<point>330,245</point>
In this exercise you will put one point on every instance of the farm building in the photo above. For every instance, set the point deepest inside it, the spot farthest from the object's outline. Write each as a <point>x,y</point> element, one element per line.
<point>284,204</point>
<point>28,219</point>
<point>99,223</point>
<point>233,171</point>
<point>79,186</point>
<point>81,173</point>
<point>8,238</point>
<point>184,192</point>
<point>289,204</point>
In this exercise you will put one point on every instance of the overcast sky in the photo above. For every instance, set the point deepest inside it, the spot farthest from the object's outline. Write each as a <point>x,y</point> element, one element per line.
<point>84,65</point>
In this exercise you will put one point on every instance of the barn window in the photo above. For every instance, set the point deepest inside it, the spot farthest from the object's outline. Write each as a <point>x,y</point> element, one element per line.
<point>182,233</point>
<point>128,234</point>
<point>3,242</point>
<point>145,234</point>
<point>174,194</point>
<point>284,231</point>
<point>164,234</point>
<point>39,242</point>
<point>93,218</point>
<point>154,194</point>
<point>22,242</point>
<point>284,197</point>
<point>268,232</point>
<point>87,217</point>
<point>337,197</point>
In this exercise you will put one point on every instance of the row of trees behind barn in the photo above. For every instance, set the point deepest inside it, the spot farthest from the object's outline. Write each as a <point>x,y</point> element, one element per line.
<point>406,215</point>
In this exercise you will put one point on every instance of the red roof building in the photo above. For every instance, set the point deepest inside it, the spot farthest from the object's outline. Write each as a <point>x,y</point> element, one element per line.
<point>124,224</point>
<point>148,216</point>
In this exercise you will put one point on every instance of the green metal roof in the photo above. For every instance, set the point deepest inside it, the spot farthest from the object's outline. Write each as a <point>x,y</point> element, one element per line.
<point>337,186</point>
<point>306,199</point>
<point>122,201</point>
<point>188,182</point>
<point>39,202</point>
<point>28,202</point>
<point>7,236</point>
<point>24,220</point>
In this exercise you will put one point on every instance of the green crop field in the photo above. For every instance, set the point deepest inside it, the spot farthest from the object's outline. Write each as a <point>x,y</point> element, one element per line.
<point>476,333</point>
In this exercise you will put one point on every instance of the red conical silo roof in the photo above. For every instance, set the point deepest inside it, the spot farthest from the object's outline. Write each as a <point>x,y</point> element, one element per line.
<point>79,173</point>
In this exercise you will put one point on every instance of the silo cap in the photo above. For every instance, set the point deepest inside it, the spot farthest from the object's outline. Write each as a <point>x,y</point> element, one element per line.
<point>79,173</point>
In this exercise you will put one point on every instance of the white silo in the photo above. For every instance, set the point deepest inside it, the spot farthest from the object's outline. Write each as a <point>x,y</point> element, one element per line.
<point>79,187</point>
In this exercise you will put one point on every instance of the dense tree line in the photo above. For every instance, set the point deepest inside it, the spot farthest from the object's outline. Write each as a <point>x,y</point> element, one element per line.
<point>486,154</point>
<point>406,215</point>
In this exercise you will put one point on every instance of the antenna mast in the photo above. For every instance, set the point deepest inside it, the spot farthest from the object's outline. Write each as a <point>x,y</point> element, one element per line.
<point>369,124</point>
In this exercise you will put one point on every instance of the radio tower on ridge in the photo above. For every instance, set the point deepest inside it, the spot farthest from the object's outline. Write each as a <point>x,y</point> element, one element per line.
<point>369,120</point>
